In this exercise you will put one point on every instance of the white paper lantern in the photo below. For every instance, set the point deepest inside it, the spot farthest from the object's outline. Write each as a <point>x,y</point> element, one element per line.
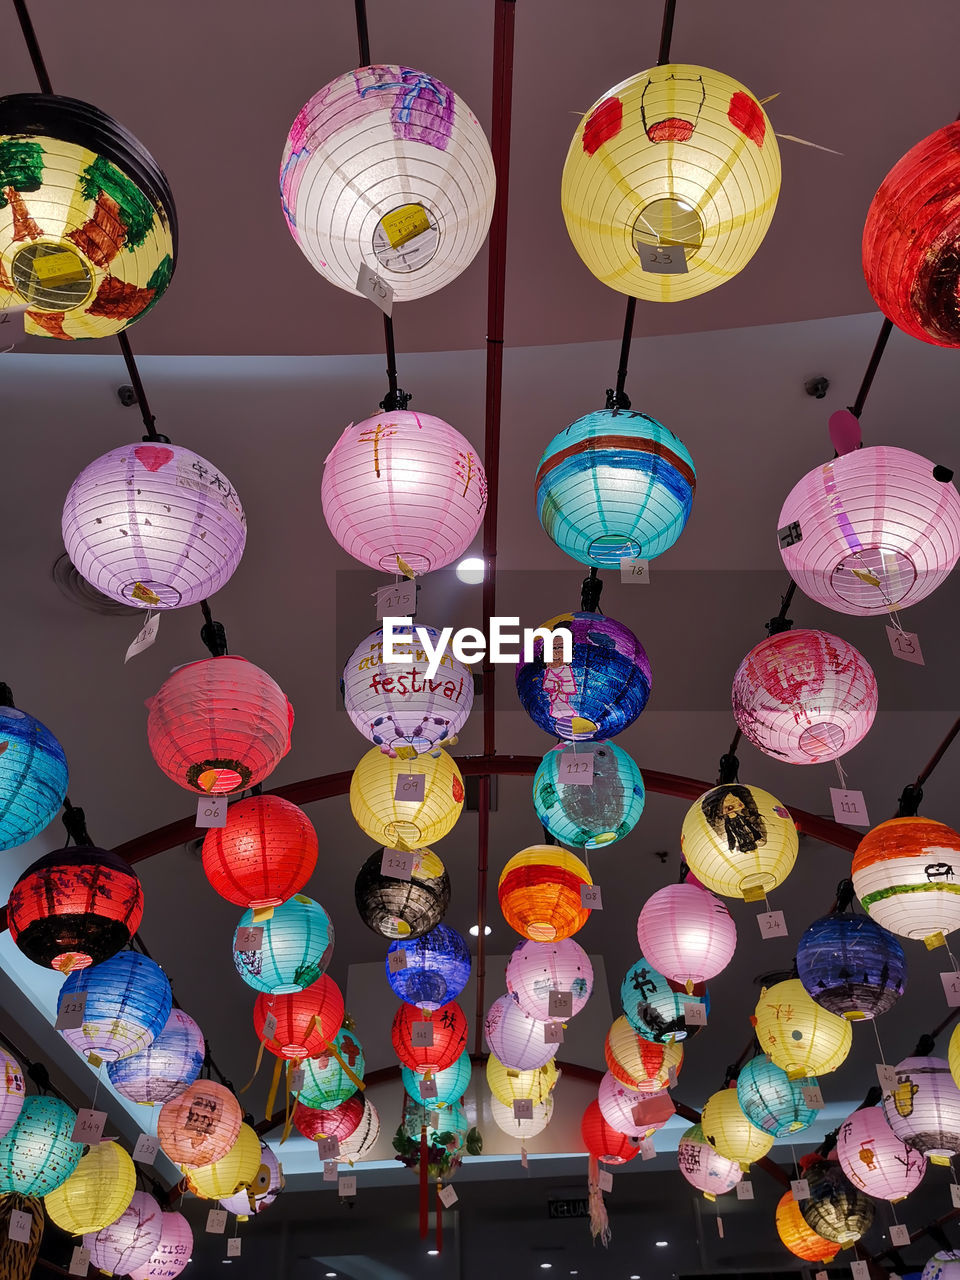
<point>537,968</point>
<point>944,1265</point>
<point>521,1129</point>
<point>923,1109</point>
<point>515,1038</point>
<point>364,1138</point>
<point>874,1158</point>
<point>617,1102</point>
<point>128,1243</point>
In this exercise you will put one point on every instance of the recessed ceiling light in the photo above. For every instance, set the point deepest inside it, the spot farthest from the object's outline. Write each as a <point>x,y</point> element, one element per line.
<point>471,570</point>
<point>662,1244</point>
<point>432,1253</point>
<point>634,1278</point>
<point>475,931</point>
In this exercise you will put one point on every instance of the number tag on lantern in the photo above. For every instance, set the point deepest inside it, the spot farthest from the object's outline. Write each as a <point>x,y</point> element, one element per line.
<point>744,1189</point>
<point>887,1077</point>
<point>605,1180</point>
<point>145,1151</point>
<point>328,1148</point>
<point>20,1226</point>
<point>590,897</point>
<point>12,330</point>
<point>719,1226</point>
<point>212,811</point>
<point>71,1012</point>
<point>79,1261</point>
<point>233,1247</point>
<point>860,1270</point>
<point>296,1080</point>
<point>270,1026</point>
<point>905,645</point>
<point>410,786</point>
<point>396,864</point>
<point>849,807</point>
<point>397,960</point>
<point>801,1189</point>
<point>397,601</point>
<point>217,1222</point>
<point>955,1194</point>
<point>553,1033</point>
<point>447,1197</point>
<point>576,769</point>
<point>89,1126</point>
<point>821,1275</point>
<point>560,1004</point>
<point>331,1171</point>
<point>951,988</point>
<point>694,1014</point>
<point>347,1186</point>
<point>377,290</point>
<point>148,634</point>
<point>524,1163</point>
<point>647,1149</point>
<point>899,1235</point>
<point>772,924</point>
<point>421,1035</point>
<point>637,571</point>
<point>663,259</point>
<point>523,1108</point>
<point>428,1089</point>
<point>249,937</point>
<point>812,1097</point>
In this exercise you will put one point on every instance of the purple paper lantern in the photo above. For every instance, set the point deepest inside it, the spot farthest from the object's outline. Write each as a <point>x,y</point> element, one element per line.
<point>686,933</point>
<point>12,1091</point>
<point>617,1102</point>
<point>166,1067</point>
<point>874,1158</point>
<point>923,1108</point>
<point>516,1039</point>
<point>129,1242</point>
<point>171,1254</point>
<point>704,1167</point>
<point>537,968</point>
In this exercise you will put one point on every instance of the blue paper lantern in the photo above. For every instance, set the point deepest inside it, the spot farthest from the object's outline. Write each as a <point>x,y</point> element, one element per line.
<point>436,971</point>
<point>615,485</point>
<point>589,817</point>
<point>599,692</point>
<point>655,1007</point>
<point>166,1067</point>
<point>33,774</point>
<point>772,1101</point>
<point>325,1081</point>
<point>38,1153</point>
<point>451,1083</point>
<point>294,949</point>
<point>128,1004</point>
<point>851,965</point>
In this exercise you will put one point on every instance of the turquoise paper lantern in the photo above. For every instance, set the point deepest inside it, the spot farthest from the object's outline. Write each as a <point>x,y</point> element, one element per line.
<point>451,1083</point>
<point>437,968</point>
<point>325,1082</point>
<point>770,1100</point>
<point>655,1007</point>
<point>590,817</point>
<point>295,948</point>
<point>615,485</point>
<point>38,1153</point>
<point>33,774</point>
<point>128,1004</point>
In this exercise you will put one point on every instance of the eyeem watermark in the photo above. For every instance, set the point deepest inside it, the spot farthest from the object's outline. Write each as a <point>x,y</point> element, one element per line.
<point>470,645</point>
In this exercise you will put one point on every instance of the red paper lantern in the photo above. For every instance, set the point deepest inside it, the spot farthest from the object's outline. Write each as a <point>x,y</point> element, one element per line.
<point>307,1020</point>
<point>339,1122</point>
<point>449,1037</point>
<point>264,855</point>
<point>603,1141</point>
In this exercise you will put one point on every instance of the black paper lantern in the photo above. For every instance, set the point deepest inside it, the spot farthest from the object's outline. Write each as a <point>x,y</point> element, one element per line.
<point>836,1210</point>
<point>403,908</point>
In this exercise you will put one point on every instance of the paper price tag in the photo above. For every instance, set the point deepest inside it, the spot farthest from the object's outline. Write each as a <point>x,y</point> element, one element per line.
<point>421,1036</point>
<point>447,1197</point>
<point>328,1148</point>
<point>397,602</point>
<point>211,811</point>
<point>296,1080</point>
<point>647,1149</point>
<point>145,636</point>
<point>662,260</point>
<point>217,1222</point>
<point>397,960</point>
<point>553,1033</point>
<point>887,1076</point>
<point>12,331</point>
<point>821,1275</point>
<point>955,1195</point>
<point>233,1247</point>
<point>744,1189</point>
<point>377,290</point>
<point>79,1261</point>
<point>801,1189</point>
<point>410,787</point>
<point>524,1164</point>
<point>270,1026</point>
<point>20,1226</point>
<point>899,1235</point>
<point>523,1108</point>
<point>605,1180</point>
<point>591,897</point>
<point>849,807</point>
<point>904,644</point>
<point>347,1186</point>
<point>772,924</point>
<point>89,1126</point>
<point>812,1097</point>
<point>860,1270</point>
<point>560,1004</point>
<point>951,988</point>
<point>396,864</point>
<point>720,1227</point>
<point>71,1012</point>
<point>249,938</point>
<point>694,1013</point>
<point>428,1089</point>
<point>331,1171</point>
<point>576,768</point>
<point>637,571</point>
<point>145,1151</point>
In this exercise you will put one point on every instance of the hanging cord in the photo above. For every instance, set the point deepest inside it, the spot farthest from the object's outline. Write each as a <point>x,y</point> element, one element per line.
<point>872,365</point>
<point>617,398</point>
<point>590,591</point>
<point>363,35</point>
<point>213,633</point>
<point>136,382</point>
<point>33,46</point>
<point>395,398</point>
<point>6,696</point>
<point>75,822</point>
<point>666,32</point>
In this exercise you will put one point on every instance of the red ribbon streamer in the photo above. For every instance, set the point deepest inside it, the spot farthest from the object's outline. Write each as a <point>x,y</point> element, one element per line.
<point>424,1202</point>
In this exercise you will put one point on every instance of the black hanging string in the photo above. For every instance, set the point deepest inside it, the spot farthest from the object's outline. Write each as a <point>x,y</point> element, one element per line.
<point>618,398</point>
<point>213,633</point>
<point>590,591</point>
<point>363,35</point>
<point>873,364</point>
<point>666,32</point>
<point>395,398</point>
<point>75,822</point>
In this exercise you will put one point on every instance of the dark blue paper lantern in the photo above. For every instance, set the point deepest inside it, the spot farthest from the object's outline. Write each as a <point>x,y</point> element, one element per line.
<point>851,965</point>
<point>128,1002</point>
<point>436,971</point>
<point>655,1007</point>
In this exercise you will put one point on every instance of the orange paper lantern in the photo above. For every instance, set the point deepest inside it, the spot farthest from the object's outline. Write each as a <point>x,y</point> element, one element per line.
<point>539,893</point>
<point>802,1241</point>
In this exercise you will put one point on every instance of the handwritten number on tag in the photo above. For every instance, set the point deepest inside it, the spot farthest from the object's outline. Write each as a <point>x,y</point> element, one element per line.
<point>801,1189</point>
<point>421,1035</point>
<point>396,864</point>
<point>849,807</point>
<point>591,897</point>
<point>377,290</point>
<point>772,924</point>
<point>523,1108</point>
<point>217,1221</point>
<point>212,811</point>
<point>905,645</point>
<point>410,786</point>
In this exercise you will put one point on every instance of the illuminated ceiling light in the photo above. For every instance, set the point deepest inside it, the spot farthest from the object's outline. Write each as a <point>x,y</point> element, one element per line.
<point>475,931</point>
<point>661,1244</point>
<point>471,570</point>
<point>432,1253</point>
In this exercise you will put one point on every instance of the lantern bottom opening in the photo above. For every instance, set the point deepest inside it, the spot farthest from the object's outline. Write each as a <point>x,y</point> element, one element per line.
<point>541,931</point>
<point>402,832</point>
<point>67,961</point>
<point>260,904</point>
<point>855,1015</point>
<point>759,883</point>
<point>668,221</point>
<point>821,741</point>
<point>413,559</point>
<point>874,578</point>
<point>105,1055</point>
<point>146,594</point>
<point>51,275</point>
<point>609,549</point>
<point>216,780</point>
<point>795,1073</point>
<point>298,1051</point>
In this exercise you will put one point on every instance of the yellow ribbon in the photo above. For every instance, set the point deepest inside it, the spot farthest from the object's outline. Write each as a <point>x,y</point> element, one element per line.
<point>274,1086</point>
<point>288,1116</point>
<point>255,1071</point>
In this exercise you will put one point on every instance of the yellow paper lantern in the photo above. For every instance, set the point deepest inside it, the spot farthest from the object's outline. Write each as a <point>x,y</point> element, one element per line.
<point>377,801</point>
<point>953,1055</point>
<point>639,1063</point>
<point>96,1193</point>
<point>739,841</point>
<point>670,183</point>
<point>801,1038</point>
<point>507,1085</point>
<point>226,1176</point>
<point>729,1131</point>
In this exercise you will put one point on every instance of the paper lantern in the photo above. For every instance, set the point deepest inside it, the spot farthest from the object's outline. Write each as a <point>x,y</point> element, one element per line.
<point>200,1125</point>
<point>540,893</point>
<point>729,1131</point>
<point>615,485</point>
<point>307,1021</point>
<point>686,933</point>
<point>944,1265</point>
<point>403,491</point>
<point>656,1007</point>
<point>705,1168</point>
<point>589,817</point>
<point>953,1055</point>
<point>386,167</point>
<point>18,1258</point>
<point>264,855</point>
<point>434,970</point>
<point>851,966</point>
<point>128,1004</point>
<point>804,697</point>
<point>326,1082</point>
<point>88,228</point>
<point>399,823</point>
<point>535,969</point>
<point>361,1142</point>
<point>602,1141</point>
<point>129,1242</point>
<point>508,1086</point>
<point>801,1038</point>
<point>923,1110</point>
<point>802,1241</point>
<point>640,1064</point>
<point>905,873</point>
<point>337,1122</point>
<point>670,182</point>
<point>154,526</point>
<point>879,526</point>
<point>75,907</point>
<point>835,1209</point>
<point>164,1068</point>
<point>599,692</point>
<point>38,1153</point>
<point>12,1091</point>
<point>739,841</point>
<point>771,1101</point>
<point>33,773</point>
<point>296,946</point>
<point>449,1037</point>
<point>97,1191</point>
<point>399,706</point>
<point>251,1200</point>
<point>451,1084</point>
<point>171,1253</point>
<point>619,1103</point>
<point>874,1158</point>
<point>402,908</point>
<point>522,1130</point>
<point>224,1177</point>
<point>518,1040</point>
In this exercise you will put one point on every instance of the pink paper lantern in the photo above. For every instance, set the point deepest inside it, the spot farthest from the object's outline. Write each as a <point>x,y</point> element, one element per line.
<point>219,726</point>
<point>516,1039</point>
<point>686,933</point>
<point>704,1167</point>
<point>12,1091</point>
<point>129,1242</point>
<point>172,1252</point>
<point>874,1158</point>
<point>403,485</point>
<point>804,696</point>
<point>537,968</point>
<point>617,1103</point>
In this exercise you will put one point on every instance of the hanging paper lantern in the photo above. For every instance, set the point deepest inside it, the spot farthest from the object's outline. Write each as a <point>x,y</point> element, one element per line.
<point>264,855</point>
<point>851,966</point>
<point>338,1122</point>
<point>437,968</point>
<point>12,1091</point>
<point>522,1130</point>
<point>602,1141</point>
<point>75,907</point>
<point>129,1242</point>
<point>517,1039</point>
<point>508,1086</point>
<point>705,1168</point>
<point>615,485</point>
<point>33,768</point>
<point>905,873</point>
<point>200,1125</point>
<point>944,1265</point>
<point>655,1007</point>
<point>729,1131</point>
<point>251,1199</point>
<point>590,817</point>
<point>128,1004</point>
<point>953,1055</point>
<point>403,491</point>
<point>97,1191</point>
<point>364,1138</point>
<point>535,969</point>
<point>451,1084</point>
<point>402,908</point>
<point>326,1082</point>
<point>307,1021</point>
<point>164,1068</point>
<point>449,1037</point>
<point>686,933</point>
<point>599,692</point>
<point>923,1110</point>
<point>154,526</point>
<point>640,1064</point>
<point>386,167</point>
<point>38,1153</point>
<point>540,893</point>
<point>171,1253</point>
<point>795,1234</point>
<point>835,1209</point>
<point>399,706</point>
<point>880,528</point>
<point>618,1105</point>
<point>804,697</point>
<point>406,824</point>
<point>295,948</point>
<point>874,1158</point>
<point>800,1036</point>
<point>88,228</point>
<point>739,841</point>
<point>224,1177</point>
<point>771,1101</point>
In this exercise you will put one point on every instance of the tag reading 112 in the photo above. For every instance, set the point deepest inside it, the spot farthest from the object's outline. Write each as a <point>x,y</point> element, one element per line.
<point>576,769</point>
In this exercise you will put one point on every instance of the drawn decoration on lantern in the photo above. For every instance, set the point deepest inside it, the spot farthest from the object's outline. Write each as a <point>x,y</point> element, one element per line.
<point>771,1100</point>
<point>437,968</point>
<point>235,1169</point>
<point>200,1125</point>
<point>640,1064</point>
<point>362,1141</point>
<point>739,841</point>
<point>874,1158</point>
<point>266,852</point>
<point>686,933</point>
<point>798,1236</point>
<point>595,816</point>
<point>704,1167</point>
<point>729,1131</point>
<point>128,1002</point>
<point>835,1209</point>
<point>517,1040</point>
<point>906,873</point>
<point>801,1038</point>
<point>944,1265</point>
<point>251,1199</point>
<point>851,965</point>
<point>338,1122</point>
<point>535,970</point>
<point>326,1079</point>
<point>539,892</point>
<point>172,1251</point>
<point>656,1007</point>
<point>406,824</point>
<point>33,772</point>
<point>37,1153</point>
<point>12,1091</point>
<point>295,948</point>
<point>129,1242</point>
<point>923,1109</point>
<point>402,908</point>
<point>165,1067</point>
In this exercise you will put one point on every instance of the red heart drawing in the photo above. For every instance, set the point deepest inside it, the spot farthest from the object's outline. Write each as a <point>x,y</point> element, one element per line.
<point>153,456</point>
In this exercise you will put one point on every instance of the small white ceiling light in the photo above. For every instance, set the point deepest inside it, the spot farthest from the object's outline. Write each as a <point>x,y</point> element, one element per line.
<point>662,1244</point>
<point>475,931</point>
<point>432,1253</point>
<point>470,570</point>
